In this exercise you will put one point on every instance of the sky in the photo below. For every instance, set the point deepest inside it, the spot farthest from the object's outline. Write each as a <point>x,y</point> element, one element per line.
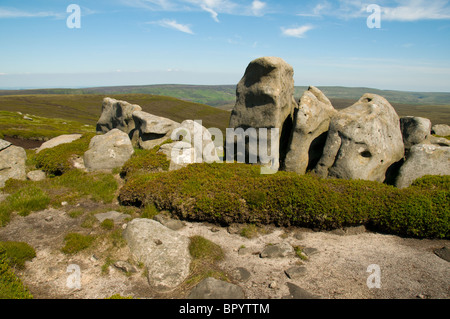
<point>396,44</point>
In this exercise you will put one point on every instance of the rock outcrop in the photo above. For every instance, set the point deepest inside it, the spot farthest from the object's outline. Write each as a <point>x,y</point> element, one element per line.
<point>364,140</point>
<point>108,151</point>
<point>265,99</point>
<point>441,129</point>
<point>424,159</point>
<point>151,130</point>
<point>311,124</point>
<point>163,251</point>
<point>415,130</point>
<point>62,139</point>
<point>12,162</point>
<point>116,114</point>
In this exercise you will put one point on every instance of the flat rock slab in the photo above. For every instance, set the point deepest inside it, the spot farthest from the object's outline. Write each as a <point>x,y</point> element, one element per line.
<point>276,251</point>
<point>36,175</point>
<point>241,274</point>
<point>211,288</point>
<point>62,139</point>
<point>443,252</point>
<point>113,215</point>
<point>163,251</point>
<point>298,293</point>
<point>295,272</point>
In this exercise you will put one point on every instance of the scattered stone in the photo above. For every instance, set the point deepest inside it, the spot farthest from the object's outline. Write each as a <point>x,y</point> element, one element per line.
<point>64,203</point>
<point>363,141</point>
<point>214,229</point>
<point>167,264</point>
<point>48,218</point>
<point>298,293</point>
<point>27,118</point>
<point>234,229</point>
<point>308,251</point>
<point>443,253</point>
<point>277,250</point>
<point>12,163</point>
<point>243,251</point>
<point>295,272</point>
<point>211,288</point>
<point>113,215</point>
<point>273,285</point>
<point>36,175</point>
<point>165,220</point>
<point>126,267</point>
<point>241,274</point>
<point>151,130</point>
<point>62,139</point>
<point>117,115</point>
<point>108,151</point>
<point>424,159</point>
<point>311,124</point>
<point>441,130</point>
<point>415,130</point>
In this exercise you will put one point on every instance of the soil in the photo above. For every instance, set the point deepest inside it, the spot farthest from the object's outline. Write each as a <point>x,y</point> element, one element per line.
<point>336,269</point>
<point>25,143</point>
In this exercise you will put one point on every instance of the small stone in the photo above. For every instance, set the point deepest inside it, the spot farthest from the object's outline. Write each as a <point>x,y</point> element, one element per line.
<point>123,265</point>
<point>48,218</point>
<point>241,274</point>
<point>273,285</point>
<point>295,272</point>
<point>243,251</point>
<point>158,242</point>
<point>278,250</point>
<point>355,230</point>
<point>64,203</point>
<point>211,288</point>
<point>36,176</point>
<point>214,229</point>
<point>27,118</point>
<point>310,251</point>
<point>113,215</point>
<point>443,253</point>
<point>297,292</point>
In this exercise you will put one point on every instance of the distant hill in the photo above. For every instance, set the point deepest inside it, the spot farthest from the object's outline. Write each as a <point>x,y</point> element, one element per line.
<point>224,96</point>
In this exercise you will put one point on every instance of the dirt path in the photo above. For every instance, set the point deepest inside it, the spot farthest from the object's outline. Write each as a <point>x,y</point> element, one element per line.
<point>336,267</point>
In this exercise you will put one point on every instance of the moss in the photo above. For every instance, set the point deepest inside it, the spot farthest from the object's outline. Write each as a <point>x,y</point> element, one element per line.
<point>119,296</point>
<point>202,248</point>
<point>17,253</point>
<point>238,193</point>
<point>107,224</point>
<point>75,243</point>
<point>11,287</point>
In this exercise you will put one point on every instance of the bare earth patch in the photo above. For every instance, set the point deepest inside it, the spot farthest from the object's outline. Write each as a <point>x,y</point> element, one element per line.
<point>335,269</point>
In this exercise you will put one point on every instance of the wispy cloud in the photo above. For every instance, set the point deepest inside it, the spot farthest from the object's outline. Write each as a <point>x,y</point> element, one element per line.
<point>173,24</point>
<point>11,13</point>
<point>298,32</point>
<point>258,7</point>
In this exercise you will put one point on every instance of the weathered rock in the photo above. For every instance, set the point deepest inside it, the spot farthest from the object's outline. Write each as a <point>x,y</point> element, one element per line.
<point>438,141</point>
<point>265,99</point>
<point>152,130</point>
<point>282,249</point>
<point>295,272</point>
<point>364,140</point>
<point>180,154</point>
<point>443,253</point>
<point>211,288</point>
<point>296,292</point>
<point>415,130</point>
<point>12,164</point>
<point>62,139</point>
<point>311,124</point>
<point>36,175</point>
<point>125,266</point>
<point>199,138</point>
<point>108,151</point>
<point>170,223</point>
<point>163,251</point>
<point>424,159</point>
<point>241,274</point>
<point>441,130</point>
<point>113,215</point>
<point>117,114</point>
<point>4,144</point>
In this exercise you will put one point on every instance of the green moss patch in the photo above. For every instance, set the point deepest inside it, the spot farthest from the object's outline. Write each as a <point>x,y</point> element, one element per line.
<point>11,287</point>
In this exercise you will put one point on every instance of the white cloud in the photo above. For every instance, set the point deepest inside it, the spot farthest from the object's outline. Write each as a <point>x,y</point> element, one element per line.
<point>172,24</point>
<point>213,13</point>
<point>258,7</point>
<point>417,10</point>
<point>296,32</point>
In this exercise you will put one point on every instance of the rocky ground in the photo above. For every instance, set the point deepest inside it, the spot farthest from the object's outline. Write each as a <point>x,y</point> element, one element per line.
<point>336,266</point>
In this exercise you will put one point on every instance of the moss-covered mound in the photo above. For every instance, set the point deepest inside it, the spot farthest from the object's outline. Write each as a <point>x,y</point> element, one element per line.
<point>238,193</point>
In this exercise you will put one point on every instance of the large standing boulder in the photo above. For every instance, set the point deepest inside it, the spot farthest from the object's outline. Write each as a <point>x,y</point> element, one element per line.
<point>424,159</point>
<point>108,151</point>
<point>265,99</point>
<point>364,140</point>
<point>12,162</point>
<point>311,124</point>
<point>163,251</point>
<point>180,154</point>
<point>415,130</point>
<point>441,129</point>
<point>116,114</point>
<point>152,130</point>
<point>62,139</point>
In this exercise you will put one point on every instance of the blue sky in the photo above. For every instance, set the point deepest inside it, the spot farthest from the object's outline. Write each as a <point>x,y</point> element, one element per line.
<point>139,42</point>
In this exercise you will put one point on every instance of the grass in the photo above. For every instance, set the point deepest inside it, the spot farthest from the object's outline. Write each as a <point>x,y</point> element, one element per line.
<point>238,193</point>
<point>11,287</point>
<point>145,161</point>
<point>74,243</point>
<point>17,253</point>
